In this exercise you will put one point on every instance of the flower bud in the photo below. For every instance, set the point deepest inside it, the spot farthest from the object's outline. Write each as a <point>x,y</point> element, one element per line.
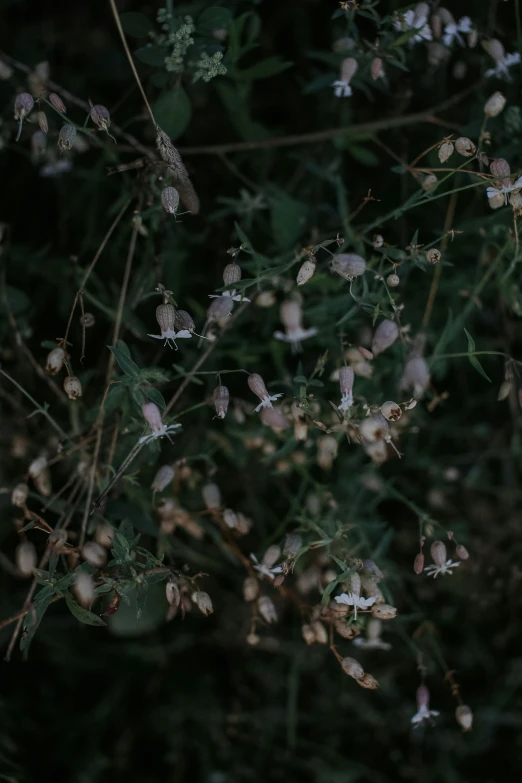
<point>36,466</point>
<point>461,552</point>
<point>221,398</point>
<point>219,308</point>
<point>104,534</point>
<point>376,68</point>
<point>84,589</point>
<point>19,495</point>
<point>231,274</point>
<point>433,255</point>
<point>66,137</point>
<point>55,361</point>
<point>348,68</point>
<point>500,168</point>
<point>163,478</point>
<point>57,102</point>
<point>170,200</point>
<point>384,611</point>
<point>393,280</point>
<point>152,415</point>
<point>42,121</point>
<point>326,451</point>
<point>172,594</point>
<point>494,104</point>
<point>23,105</point>
<point>464,717</point>
<point>250,589</point>
<point>416,374</point>
<point>348,265</point>
<point>306,271</point>
<point>267,609</point>
<point>368,681</point>
<point>25,558</point>
<point>352,668</point>
<point>100,116</point>
<point>438,553</point>
<point>203,602</point>
<point>465,147</point>
<point>94,553</point>
<point>72,387</point>
<point>212,496</point>
<point>391,411</point>
<point>385,335</point>
<point>418,565</point>
<point>445,151</point>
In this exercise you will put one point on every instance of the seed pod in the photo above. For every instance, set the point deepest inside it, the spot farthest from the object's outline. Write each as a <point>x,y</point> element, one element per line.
<point>23,105</point>
<point>212,496</point>
<point>429,181</point>
<point>326,451</point>
<point>43,482</point>
<point>416,374</point>
<point>291,315</point>
<point>165,315</point>
<point>72,387</point>
<point>433,255</point>
<point>231,274</point>
<point>220,307</point>
<point>393,280</point>
<point>189,197</point>
<point>221,399</point>
<point>368,681</point>
<point>55,361</point>
<point>445,151</point>
<point>57,102</point>
<point>274,418</point>
<point>66,137</point>
<point>250,589</point>
<point>438,553</point>
<point>348,68</point>
<point>376,68</point>
<point>384,611</point>
<point>172,594</point>
<point>465,147</point>
<point>464,717</point>
<point>203,602</point>
<point>348,265</point>
<point>42,121</point>
<point>170,200</point>
<point>257,385</point>
<point>391,411</point>
<point>346,378</point>
<point>418,565</point>
<point>306,271</point>
<point>500,168</point>
<point>230,518</point>
<point>19,495</point>
<point>25,558</point>
<point>374,428</point>
<point>163,478</point>
<point>266,609</point>
<point>171,156</point>
<point>308,634</point>
<point>84,588</point>
<point>100,116</point>
<point>495,104</point>
<point>36,466</point>
<point>385,335</point>
<point>352,668</point>
<point>94,553</point>
<point>87,320</point>
<point>461,552</point>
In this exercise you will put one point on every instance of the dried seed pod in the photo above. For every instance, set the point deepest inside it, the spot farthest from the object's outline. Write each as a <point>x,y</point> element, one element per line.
<point>429,181</point>
<point>326,451</point>
<point>320,632</point>
<point>189,197</point>
<point>348,265</point>
<point>368,681</point>
<point>25,558</point>
<point>19,495</point>
<point>464,717</point>
<point>266,609</point>
<point>55,361</point>
<point>393,280</point>
<point>84,588</point>
<point>465,147</point>
<point>163,478</point>
<point>250,589</point>
<point>72,387</point>
<point>66,137</point>
<point>445,151</point>
<point>37,466</point>
<point>352,668</point>
<point>221,399</point>
<point>87,320</point>
<point>391,411</point>
<point>433,255</point>
<point>42,121</point>
<point>212,497</point>
<point>306,271</point>
<point>94,553</point>
<point>308,634</point>
<point>384,611</point>
<point>171,156</point>
<point>172,594</point>
<point>418,565</point>
<point>170,200</point>
<point>231,274</point>
<point>438,553</point>
<point>57,102</point>
<point>495,104</point>
<point>461,552</point>
<point>203,602</point>
<point>101,117</point>
<point>385,335</point>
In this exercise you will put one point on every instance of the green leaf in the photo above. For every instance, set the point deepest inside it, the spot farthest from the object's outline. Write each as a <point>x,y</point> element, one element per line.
<point>154,395</point>
<point>126,364</point>
<point>141,599</point>
<point>330,587</point>
<point>215,18</point>
<point>151,55</point>
<point>264,69</point>
<point>33,619</point>
<point>363,155</point>
<point>81,614</point>
<point>173,111</point>
<point>288,218</point>
<point>473,359</point>
<point>136,25</point>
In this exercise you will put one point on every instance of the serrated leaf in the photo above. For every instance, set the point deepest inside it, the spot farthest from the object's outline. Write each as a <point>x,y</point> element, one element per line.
<point>215,18</point>
<point>125,362</point>
<point>81,614</point>
<point>473,359</point>
<point>173,111</point>
<point>135,24</point>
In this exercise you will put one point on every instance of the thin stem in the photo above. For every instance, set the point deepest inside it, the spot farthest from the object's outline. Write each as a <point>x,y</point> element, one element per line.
<point>37,406</point>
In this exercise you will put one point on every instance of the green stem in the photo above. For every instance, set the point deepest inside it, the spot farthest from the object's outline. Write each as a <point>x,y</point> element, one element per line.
<point>37,406</point>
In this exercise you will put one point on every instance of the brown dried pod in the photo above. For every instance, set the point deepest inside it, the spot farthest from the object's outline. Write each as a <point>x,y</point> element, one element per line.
<point>55,361</point>
<point>352,668</point>
<point>72,387</point>
<point>391,411</point>
<point>465,147</point>
<point>384,611</point>
<point>433,255</point>
<point>393,280</point>
<point>189,197</point>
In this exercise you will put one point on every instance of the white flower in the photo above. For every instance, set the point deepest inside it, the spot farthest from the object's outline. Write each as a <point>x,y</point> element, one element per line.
<point>264,570</point>
<point>410,20</point>
<point>501,68</point>
<point>451,31</point>
<point>445,568</point>
<point>491,191</point>
<point>170,336</point>
<point>355,600</point>
<point>231,295</point>
<point>341,89</point>
<point>424,714</point>
<point>165,430</point>
<point>152,416</point>
<point>346,402</point>
<point>294,337</point>
<point>266,402</point>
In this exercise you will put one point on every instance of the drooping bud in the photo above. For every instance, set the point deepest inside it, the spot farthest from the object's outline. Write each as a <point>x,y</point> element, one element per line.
<point>57,102</point>
<point>94,553</point>
<point>72,387</point>
<point>445,151</point>
<point>306,271</point>
<point>55,361</point>
<point>170,200</point>
<point>461,552</point>
<point>231,274</point>
<point>391,411</point>
<point>393,280</point>
<point>250,589</point>
<point>152,415</point>
<point>293,543</point>
<point>42,121</point>
<point>423,697</point>
<point>100,116</point>
<point>438,553</point>
<point>348,265</point>
<point>221,399</point>
<point>385,335</point>
<point>19,495</point>
<point>376,68</point>
<point>66,137</point>
<point>326,451</point>
<point>163,478</point>
<point>211,496</point>
<point>203,602</point>
<point>465,147</point>
<point>43,482</point>
<point>494,48</point>
<point>308,634</point>
<point>495,104</point>
<point>464,717</point>
<point>384,611</point>
<point>58,539</point>
<point>418,565</point>
<point>266,609</point>
<point>25,558</point>
<point>352,668</point>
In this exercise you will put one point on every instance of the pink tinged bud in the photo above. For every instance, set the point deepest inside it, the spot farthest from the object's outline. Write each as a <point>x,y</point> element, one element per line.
<point>257,385</point>
<point>461,552</point>
<point>42,121</point>
<point>57,102</point>
<point>231,274</point>
<point>212,496</point>
<point>266,609</point>
<point>100,116</point>
<point>348,69</point>
<point>94,553</point>
<point>385,335</point>
<point>438,553</point>
<point>203,602</point>
<point>494,104</point>
<point>377,69</point>
<point>170,200</point>
<point>163,478</point>
<point>306,271</point>
<point>55,361</point>
<point>348,265</point>
<point>274,418</point>
<point>19,495</point>
<point>352,668</point>
<point>72,387</point>
<point>346,377</point>
<point>66,137</point>
<point>423,697</point>
<point>464,717</point>
<point>221,399</point>
<point>416,375</point>
<point>152,416</point>
<point>418,565</point>
<point>23,105</point>
<point>25,558</point>
<point>291,315</point>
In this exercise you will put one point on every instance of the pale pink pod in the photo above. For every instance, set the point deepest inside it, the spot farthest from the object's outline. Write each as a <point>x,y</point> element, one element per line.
<point>231,274</point>
<point>257,385</point>
<point>385,335</point>
<point>221,399</point>
<point>57,102</point>
<point>348,265</point>
<point>152,415</point>
<point>438,553</point>
<point>346,378</point>
<point>55,361</point>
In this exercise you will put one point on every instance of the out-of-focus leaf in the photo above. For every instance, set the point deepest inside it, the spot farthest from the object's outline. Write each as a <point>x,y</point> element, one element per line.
<point>136,24</point>
<point>173,111</point>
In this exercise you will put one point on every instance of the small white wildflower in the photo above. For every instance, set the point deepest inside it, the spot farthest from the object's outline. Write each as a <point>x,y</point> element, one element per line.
<point>415,19</point>
<point>266,568</point>
<point>291,316</point>
<point>440,565</point>
<point>503,191</point>
<point>152,416</point>
<point>351,599</point>
<point>423,707</point>
<point>452,30</point>
<point>502,61</point>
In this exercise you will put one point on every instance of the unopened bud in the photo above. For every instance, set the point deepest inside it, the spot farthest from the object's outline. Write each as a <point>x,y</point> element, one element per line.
<point>66,137</point>
<point>385,335</point>
<point>230,518</point>
<point>163,478</point>
<point>221,399</point>
<point>94,553</point>
<point>465,147</point>
<point>464,717</point>
<point>203,602</point>
<point>438,553</point>
<point>494,48</point>
<point>55,361</point>
<point>19,495</point>
<point>433,255</point>
<point>348,265</point>
<point>378,240</point>
<point>170,200</point>
<point>84,589</point>
<point>72,387</point>
<point>172,594</point>
<point>43,482</point>
<point>211,496</point>
<point>368,681</point>
<point>461,552</point>
<point>445,151</point>
<point>57,102</point>
<point>346,378</point>
<point>274,418</point>
<point>267,609</point>
<point>42,121</point>
<point>25,558</point>
<point>384,611</point>
<point>352,668</point>
<point>494,104</point>
<point>418,565</point>
<point>416,375</point>
<point>306,271</point>
<point>250,589</point>
<point>292,545</point>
